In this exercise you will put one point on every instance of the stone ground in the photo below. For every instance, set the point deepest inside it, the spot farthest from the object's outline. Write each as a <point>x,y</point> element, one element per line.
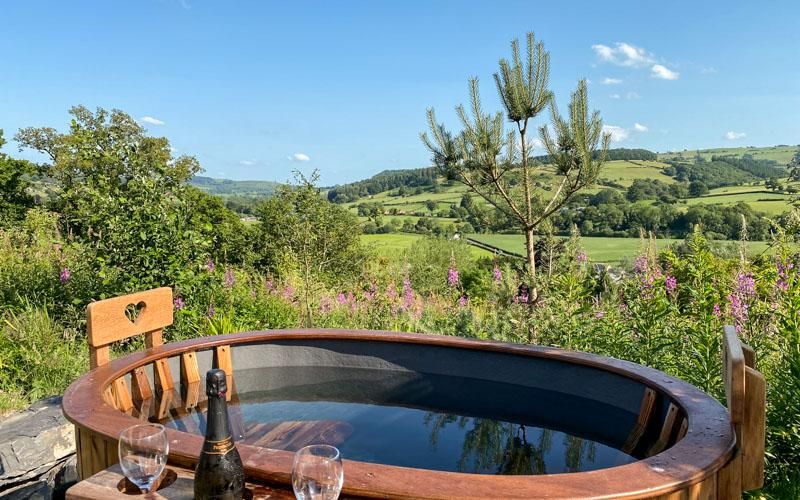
<point>37,452</point>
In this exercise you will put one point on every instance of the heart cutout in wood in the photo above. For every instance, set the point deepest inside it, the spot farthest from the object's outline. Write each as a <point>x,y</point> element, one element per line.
<point>134,311</point>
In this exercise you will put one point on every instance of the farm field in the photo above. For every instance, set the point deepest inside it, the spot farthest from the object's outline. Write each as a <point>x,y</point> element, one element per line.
<point>781,154</point>
<point>599,249</point>
<point>625,172</point>
<point>392,245</point>
<point>762,201</point>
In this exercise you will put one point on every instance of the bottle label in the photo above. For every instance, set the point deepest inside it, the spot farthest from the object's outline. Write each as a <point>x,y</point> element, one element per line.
<point>218,447</point>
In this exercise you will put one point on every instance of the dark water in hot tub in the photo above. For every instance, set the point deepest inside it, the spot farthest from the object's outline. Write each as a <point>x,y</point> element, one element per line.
<point>420,420</point>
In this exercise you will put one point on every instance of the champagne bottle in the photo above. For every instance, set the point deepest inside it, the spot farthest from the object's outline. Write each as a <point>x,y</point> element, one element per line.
<point>219,473</point>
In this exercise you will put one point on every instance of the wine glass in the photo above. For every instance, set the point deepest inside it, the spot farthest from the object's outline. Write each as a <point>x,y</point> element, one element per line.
<point>143,451</point>
<point>317,473</point>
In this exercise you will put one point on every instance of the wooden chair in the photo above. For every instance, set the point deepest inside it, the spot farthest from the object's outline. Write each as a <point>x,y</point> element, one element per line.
<point>745,391</point>
<point>111,320</point>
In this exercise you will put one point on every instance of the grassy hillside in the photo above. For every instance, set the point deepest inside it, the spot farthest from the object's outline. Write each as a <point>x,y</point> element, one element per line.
<point>227,187</point>
<point>781,154</point>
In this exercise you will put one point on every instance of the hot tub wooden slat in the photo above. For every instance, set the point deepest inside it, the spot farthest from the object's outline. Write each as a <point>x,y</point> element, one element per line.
<point>122,396</point>
<point>645,412</point>
<point>163,374</point>
<point>729,479</point>
<point>140,385</point>
<point>223,361</point>
<point>666,430</point>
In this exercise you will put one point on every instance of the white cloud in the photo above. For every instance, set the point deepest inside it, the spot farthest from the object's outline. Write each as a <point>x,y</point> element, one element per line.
<point>732,136</point>
<point>611,81</point>
<point>151,120</point>
<point>614,96</point>
<point>639,127</point>
<point>659,71</point>
<point>299,157</point>
<point>618,134</point>
<point>624,54</point>
<point>247,163</point>
<point>632,95</point>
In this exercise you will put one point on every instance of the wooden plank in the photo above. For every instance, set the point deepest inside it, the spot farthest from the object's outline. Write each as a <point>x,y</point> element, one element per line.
<point>190,374</point>
<point>729,479</point>
<point>122,396</point>
<point>140,385</point>
<point>733,371</point>
<point>154,338</point>
<point>191,395</point>
<point>223,361</point>
<point>93,453</point>
<point>749,355</point>
<point>705,490</point>
<point>666,430</point>
<point>753,430</point>
<point>163,374</point>
<point>98,356</point>
<point>645,412</point>
<point>177,483</point>
<point>108,397</point>
<point>106,321</point>
<point>164,404</point>
<point>682,429</point>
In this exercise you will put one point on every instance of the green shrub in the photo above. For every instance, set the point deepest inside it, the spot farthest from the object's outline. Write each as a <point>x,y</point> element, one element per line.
<point>38,358</point>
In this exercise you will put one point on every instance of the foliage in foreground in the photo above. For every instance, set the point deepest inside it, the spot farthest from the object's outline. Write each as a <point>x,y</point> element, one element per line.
<point>667,311</point>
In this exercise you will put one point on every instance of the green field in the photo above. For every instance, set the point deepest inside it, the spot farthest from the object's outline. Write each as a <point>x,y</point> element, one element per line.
<point>781,154</point>
<point>759,200</point>
<point>625,172</point>
<point>599,249</point>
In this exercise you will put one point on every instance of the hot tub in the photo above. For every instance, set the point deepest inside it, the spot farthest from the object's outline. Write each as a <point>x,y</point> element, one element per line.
<point>422,416</point>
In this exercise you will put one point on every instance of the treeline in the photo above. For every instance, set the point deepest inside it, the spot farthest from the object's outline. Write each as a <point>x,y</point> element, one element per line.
<point>384,181</point>
<point>615,154</point>
<point>608,213</point>
<point>760,168</point>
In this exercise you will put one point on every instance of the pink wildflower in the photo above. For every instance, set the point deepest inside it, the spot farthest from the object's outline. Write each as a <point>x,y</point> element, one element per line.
<point>325,304</point>
<point>452,276</point>
<point>210,265</point>
<point>745,285</point>
<point>408,294</point>
<point>670,284</point>
<point>641,264</point>
<point>391,292</point>
<point>599,315</point>
<point>288,293</point>
<point>341,299</point>
<point>462,301</point>
<point>178,303</point>
<point>716,311</point>
<point>229,279</point>
<point>581,257</point>
<point>65,276</point>
<point>497,274</point>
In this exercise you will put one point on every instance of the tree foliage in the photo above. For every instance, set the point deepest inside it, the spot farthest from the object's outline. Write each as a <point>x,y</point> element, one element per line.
<point>14,182</point>
<point>498,166</point>
<point>121,193</point>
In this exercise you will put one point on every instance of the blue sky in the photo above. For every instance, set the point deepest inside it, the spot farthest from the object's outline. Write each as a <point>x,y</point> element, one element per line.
<point>258,89</point>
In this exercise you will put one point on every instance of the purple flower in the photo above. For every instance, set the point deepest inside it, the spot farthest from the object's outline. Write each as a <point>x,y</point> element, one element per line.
<point>497,274</point>
<point>745,285</point>
<point>581,257</point>
<point>739,311</point>
<point>671,284</point>
<point>452,276</point>
<point>65,276</point>
<point>178,303</point>
<point>521,298</point>
<point>269,285</point>
<point>408,294</point>
<point>370,294</point>
<point>716,311</point>
<point>599,315</point>
<point>462,301</point>
<point>211,312</point>
<point>341,299</point>
<point>288,293</point>
<point>641,264</point>
<point>391,292</point>
<point>229,280</point>
<point>210,265</point>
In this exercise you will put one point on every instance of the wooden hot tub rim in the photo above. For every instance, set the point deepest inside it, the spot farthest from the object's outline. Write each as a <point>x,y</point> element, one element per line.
<point>707,446</point>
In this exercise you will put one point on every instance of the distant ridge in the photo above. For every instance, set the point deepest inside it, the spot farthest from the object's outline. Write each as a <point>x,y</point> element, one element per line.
<point>227,187</point>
